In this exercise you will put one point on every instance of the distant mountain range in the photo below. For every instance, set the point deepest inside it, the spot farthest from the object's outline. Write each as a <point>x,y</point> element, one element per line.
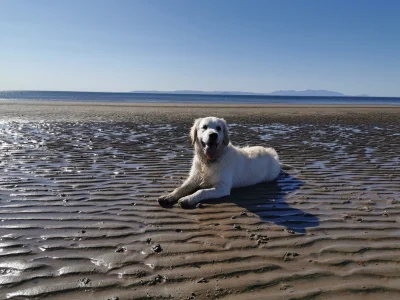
<point>306,93</point>
<point>316,93</point>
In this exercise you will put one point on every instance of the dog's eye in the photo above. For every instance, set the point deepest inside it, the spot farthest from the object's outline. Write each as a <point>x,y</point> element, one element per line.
<point>205,127</point>
<point>219,128</point>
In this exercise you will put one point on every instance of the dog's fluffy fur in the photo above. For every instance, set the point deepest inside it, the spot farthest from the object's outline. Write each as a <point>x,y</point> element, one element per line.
<point>218,166</point>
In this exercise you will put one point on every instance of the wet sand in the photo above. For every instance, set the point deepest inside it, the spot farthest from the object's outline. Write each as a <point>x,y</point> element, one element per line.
<point>80,220</point>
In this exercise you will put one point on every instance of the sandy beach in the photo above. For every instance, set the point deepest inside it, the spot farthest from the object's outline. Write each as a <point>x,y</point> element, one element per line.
<point>80,220</point>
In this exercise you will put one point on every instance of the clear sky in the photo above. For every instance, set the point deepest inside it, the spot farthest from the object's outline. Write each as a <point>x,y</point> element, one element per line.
<point>348,46</point>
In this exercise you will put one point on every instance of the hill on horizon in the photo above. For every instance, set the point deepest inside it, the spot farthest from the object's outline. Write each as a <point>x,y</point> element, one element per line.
<point>315,93</point>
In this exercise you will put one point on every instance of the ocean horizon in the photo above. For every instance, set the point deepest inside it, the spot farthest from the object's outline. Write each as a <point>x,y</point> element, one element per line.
<point>135,97</point>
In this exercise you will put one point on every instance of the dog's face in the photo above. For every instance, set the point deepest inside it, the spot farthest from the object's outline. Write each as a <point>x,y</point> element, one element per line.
<point>211,135</point>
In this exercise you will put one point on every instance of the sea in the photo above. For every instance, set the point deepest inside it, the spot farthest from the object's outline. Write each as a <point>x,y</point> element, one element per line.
<point>191,98</point>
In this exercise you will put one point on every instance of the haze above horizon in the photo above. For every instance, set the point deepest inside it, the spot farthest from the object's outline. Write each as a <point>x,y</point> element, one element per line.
<point>253,46</point>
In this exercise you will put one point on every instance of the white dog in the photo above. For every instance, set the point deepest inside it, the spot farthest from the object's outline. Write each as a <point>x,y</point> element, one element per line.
<point>218,166</point>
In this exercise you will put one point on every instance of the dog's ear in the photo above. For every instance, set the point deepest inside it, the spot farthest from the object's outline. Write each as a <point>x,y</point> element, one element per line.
<point>226,132</point>
<point>193,131</point>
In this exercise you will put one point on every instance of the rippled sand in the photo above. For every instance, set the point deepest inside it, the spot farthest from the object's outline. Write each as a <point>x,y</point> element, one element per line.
<point>80,220</point>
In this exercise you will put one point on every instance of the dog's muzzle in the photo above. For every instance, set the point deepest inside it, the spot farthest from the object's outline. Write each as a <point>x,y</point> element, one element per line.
<point>211,150</point>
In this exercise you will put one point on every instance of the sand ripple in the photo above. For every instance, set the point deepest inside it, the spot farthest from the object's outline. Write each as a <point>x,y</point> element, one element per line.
<point>79,218</point>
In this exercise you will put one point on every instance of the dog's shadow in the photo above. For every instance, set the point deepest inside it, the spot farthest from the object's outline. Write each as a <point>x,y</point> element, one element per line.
<point>268,201</point>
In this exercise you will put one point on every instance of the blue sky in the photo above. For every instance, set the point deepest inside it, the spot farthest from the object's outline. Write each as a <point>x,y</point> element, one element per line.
<point>347,46</point>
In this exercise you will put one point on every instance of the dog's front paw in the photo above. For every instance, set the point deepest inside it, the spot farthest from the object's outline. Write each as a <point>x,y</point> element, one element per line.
<point>166,200</point>
<point>186,203</point>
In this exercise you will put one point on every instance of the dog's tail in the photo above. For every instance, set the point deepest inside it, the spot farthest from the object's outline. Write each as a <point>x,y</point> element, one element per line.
<point>286,167</point>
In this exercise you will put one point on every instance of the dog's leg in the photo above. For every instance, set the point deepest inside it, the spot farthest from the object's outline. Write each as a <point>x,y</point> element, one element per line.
<point>191,184</point>
<point>221,190</point>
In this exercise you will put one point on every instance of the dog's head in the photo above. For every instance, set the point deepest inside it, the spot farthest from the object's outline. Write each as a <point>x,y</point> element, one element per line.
<point>210,135</point>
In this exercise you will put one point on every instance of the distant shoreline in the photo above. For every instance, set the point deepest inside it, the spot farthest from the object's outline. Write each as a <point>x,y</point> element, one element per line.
<point>189,104</point>
<point>286,93</point>
<point>203,93</point>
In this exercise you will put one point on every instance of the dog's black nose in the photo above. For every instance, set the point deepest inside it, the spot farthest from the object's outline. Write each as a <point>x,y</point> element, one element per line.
<point>213,136</point>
